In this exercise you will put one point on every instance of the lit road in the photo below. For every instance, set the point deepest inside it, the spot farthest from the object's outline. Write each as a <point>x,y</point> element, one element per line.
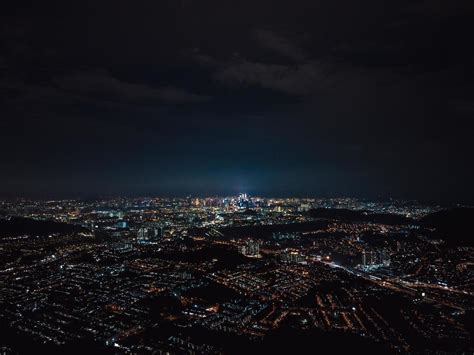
<point>400,286</point>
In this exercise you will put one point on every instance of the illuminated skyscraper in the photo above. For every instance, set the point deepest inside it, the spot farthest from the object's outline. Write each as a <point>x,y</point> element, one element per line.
<point>149,234</point>
<point>251,248</point>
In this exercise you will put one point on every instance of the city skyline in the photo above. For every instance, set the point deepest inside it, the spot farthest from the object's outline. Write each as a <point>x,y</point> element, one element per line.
<point>235,275</point>
<point>235,195</point>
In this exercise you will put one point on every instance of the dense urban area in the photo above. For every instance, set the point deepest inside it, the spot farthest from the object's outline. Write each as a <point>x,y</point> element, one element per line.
<point>235,275</point>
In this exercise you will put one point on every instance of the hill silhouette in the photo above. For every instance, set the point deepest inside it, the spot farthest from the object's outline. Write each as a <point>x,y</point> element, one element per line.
<point>346,215</point>
<point>453,225</point>
<point>17,226</point>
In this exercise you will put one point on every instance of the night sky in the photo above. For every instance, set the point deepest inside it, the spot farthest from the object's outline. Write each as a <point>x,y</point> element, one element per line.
<point>212,97</point>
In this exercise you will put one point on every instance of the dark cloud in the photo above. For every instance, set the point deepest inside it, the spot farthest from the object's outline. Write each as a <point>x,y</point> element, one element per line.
<point>279,44</point>
<point>101,85</point>
<point>292,79</point>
